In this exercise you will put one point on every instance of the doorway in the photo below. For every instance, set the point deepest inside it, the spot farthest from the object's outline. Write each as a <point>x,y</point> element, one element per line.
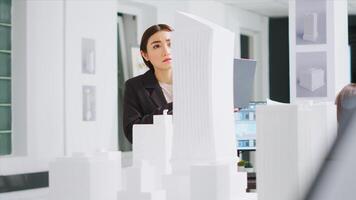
<point>126,41</point>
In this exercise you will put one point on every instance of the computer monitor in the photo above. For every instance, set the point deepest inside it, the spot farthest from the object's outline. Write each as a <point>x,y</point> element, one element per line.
<point>245,127</point>
<point>244,72</point>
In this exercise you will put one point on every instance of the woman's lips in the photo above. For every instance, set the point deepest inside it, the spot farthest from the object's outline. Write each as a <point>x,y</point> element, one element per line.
<point>167,60</point>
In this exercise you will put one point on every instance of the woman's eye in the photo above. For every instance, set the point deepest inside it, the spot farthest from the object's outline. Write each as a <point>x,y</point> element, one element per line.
<point>156,46</point>
<point>169,44</point>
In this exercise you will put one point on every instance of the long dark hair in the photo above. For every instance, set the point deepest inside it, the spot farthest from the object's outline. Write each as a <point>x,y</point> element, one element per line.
<point>147,34</point>
<point>348,91</point>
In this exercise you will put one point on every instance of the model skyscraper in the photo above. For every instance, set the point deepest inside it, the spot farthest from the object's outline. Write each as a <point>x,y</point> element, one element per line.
<point>203,119</point>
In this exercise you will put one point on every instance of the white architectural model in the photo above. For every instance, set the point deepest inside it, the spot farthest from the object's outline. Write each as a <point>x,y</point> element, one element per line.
<point>141,183</point>
<point>310,27</point>
<point>198,160</point>
<point>203,119</point>
<point>293,141</point>
<point>152,142</point>
<point>151,154</point>
<point>86,177</point>
<point>312,79</point>
<point>203,100</point>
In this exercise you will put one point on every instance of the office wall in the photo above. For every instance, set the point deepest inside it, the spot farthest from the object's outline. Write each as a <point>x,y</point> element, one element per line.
<point>47,115</point>
<point>37,86</point>
<point>94,20</point>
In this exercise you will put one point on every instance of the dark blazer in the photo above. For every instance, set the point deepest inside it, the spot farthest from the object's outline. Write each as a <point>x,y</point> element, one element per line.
<point>143,98</point>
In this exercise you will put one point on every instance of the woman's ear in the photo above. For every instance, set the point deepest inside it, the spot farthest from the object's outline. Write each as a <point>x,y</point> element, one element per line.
<point>144,55</point>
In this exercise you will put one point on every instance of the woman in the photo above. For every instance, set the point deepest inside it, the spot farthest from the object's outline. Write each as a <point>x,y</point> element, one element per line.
<point>151,93</point>
<point>346,105</point>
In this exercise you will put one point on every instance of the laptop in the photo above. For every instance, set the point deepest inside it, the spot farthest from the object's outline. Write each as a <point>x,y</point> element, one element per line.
<point>244,73</point>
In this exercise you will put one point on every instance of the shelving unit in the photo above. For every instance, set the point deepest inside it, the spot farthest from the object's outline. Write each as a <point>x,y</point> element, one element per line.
<point>5,78</point>
<point>311,48</point>
<point>319,62</point>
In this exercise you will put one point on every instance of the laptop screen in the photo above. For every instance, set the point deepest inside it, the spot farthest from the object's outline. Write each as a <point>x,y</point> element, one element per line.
<point>244,73</point>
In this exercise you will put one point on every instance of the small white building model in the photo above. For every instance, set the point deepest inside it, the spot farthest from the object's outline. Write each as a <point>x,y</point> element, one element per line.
<point>153,142</point>
<point>293,141</point>
<point>141,183</point>
<point>312,79</point>
<point>86,177</point>
<point>310,27</point>
<point>151,155</point>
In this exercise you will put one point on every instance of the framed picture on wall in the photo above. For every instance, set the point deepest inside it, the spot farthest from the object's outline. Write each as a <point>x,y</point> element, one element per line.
<point>88,56</point>
<point>311,75</point>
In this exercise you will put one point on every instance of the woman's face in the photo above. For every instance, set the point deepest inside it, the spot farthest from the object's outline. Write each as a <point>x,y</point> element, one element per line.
<point>159,51</point>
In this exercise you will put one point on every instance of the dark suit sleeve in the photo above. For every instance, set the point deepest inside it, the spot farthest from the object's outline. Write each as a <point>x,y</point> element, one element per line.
<point>133,111</point>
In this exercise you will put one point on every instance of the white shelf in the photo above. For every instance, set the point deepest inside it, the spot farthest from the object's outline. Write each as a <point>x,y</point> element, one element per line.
<point>311,48</point>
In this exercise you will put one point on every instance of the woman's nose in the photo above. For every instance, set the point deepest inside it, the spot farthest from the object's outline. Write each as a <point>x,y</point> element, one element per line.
<point>166,50</point>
